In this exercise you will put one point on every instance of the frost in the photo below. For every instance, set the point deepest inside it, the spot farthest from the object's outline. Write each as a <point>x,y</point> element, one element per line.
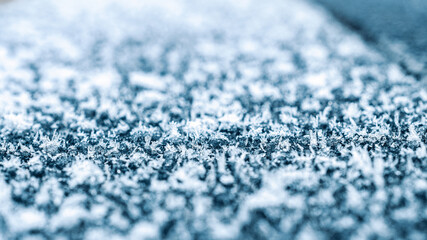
<point>84,171</point>
<point>17,121</point>
<point>149,81</point>
<point>144,230</point>
<point>316,80</point>
<point>212,120</point>
<point>70,212</point>
<point>27,219</point>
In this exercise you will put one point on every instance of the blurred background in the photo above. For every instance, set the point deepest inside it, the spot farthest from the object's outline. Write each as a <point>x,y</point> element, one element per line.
<point>398,27</point>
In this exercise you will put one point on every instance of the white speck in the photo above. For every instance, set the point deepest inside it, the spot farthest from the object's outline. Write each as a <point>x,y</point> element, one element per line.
<point>105,79</point>
<point>316,80</point>
<point>117,220</point>
<point>149,81</point>
<point>144,230</point>
<point>227,179</point>
<point>230,118</point>
<point>421,151</point>
<point>413,136</point>
<point>395,74</point>
<point>26,219</point>
<point>85,170</point>
<point>17,121</point>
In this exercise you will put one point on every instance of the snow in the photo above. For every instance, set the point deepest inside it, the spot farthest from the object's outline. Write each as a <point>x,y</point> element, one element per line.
<point>149,81</point>
<point>214,120</point>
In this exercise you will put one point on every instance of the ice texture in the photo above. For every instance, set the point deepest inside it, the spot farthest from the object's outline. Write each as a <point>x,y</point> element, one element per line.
<point>219,119</point>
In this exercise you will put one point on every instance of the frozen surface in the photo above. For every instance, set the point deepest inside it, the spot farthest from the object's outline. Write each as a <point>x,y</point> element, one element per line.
<point>204,120</point>
<point>397,26</point>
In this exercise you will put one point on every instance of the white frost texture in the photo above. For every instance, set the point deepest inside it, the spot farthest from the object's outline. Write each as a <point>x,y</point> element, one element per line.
<point>185,119</point>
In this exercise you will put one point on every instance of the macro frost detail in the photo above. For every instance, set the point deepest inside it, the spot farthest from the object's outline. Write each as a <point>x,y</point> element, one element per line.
<point>243,120</point>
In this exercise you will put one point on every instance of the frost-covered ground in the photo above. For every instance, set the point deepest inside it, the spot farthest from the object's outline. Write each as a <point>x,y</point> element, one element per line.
<point>204,120</point>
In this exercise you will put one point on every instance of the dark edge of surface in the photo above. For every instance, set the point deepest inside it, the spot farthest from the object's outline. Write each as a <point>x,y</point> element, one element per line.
<point>397,27</point>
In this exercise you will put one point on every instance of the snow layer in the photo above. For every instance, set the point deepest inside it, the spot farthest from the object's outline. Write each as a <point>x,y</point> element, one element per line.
<point>204,120</point>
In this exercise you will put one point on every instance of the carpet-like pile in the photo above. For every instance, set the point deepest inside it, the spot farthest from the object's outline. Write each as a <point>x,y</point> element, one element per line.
<point>204,120</point>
